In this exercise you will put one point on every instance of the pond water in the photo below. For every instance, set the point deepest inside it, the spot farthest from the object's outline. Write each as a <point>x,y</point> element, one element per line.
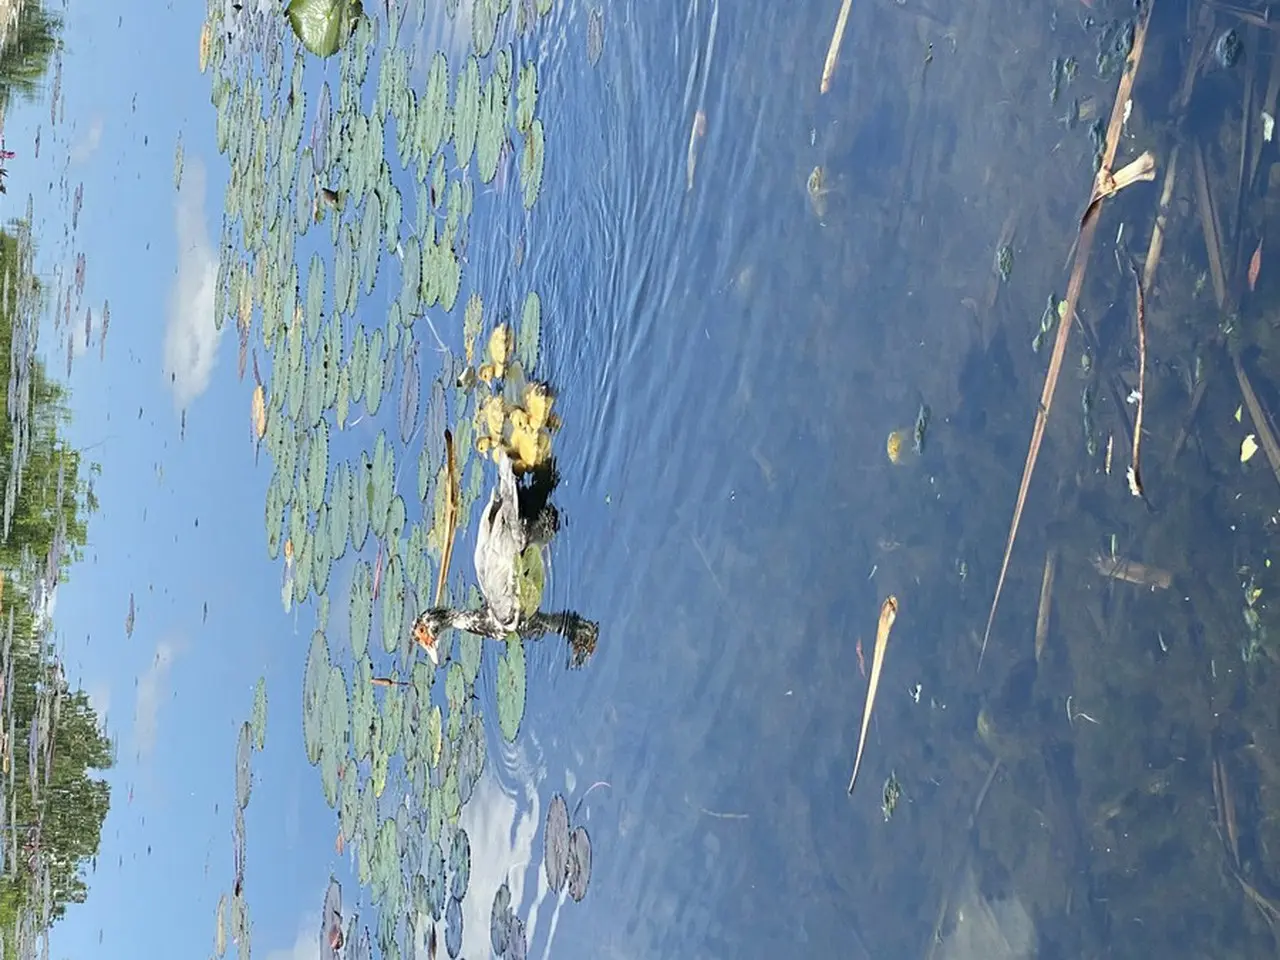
<point>777,352</point>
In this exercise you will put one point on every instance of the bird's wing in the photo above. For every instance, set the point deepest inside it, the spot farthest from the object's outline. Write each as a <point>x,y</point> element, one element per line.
<point>499,543</point>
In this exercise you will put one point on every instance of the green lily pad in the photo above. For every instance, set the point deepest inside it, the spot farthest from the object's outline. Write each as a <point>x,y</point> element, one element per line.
<point>511,689</point>
<point>361,608</point>
<point>530,331</point>
<point>531,163</point>
<point>258,719</point>
<point>466,112</point>
<point>393,600</point>
<point>244,765</point>
<point>526,96</point>
<point>313,692</point>
<point>531,578</point>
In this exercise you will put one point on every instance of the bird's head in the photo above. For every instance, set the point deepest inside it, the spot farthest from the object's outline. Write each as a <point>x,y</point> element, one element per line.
<point>427,629</point>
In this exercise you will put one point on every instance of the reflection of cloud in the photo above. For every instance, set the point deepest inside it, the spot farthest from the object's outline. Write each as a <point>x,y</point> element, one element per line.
<point>87,144</point>
<point>191,340</point>
<point>99,694</point>
<point>152,686</point>
<point>501,850</point>
<point>306,946</point>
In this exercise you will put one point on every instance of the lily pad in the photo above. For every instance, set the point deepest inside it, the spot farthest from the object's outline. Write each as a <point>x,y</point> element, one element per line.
<point>459,864</point>
<point>313,691</point>
<point>361,608</point>
<point>453,928</point>
<point>500,920</point>
<point>531,576</point>
<point>331,936</point>
<point>511,689</point>
<point>555,841</point>
<point>532,159</point>
<point>579,863</point>
<point>530,331</point>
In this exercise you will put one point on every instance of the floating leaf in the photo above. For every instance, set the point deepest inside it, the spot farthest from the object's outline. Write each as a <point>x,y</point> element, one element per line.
<point>531,162</point>
<point>434,107</point>
<point>361,608</point>
<point>579,863</point>
<point>511,689</point>
<point>453,912</point>
<point>484,25</point>
<point>466,111</point>
<point>526,96</point>
<point>530,331</point>
<point>410,396</point>
<point>517,945</point>
<point>259,411</point>
<point>437,892</point>
<point>433,734</point>
<point>500,920</point>
<point>221,919</point>
<point>531,580</point>
<point>339,509</point>
<point>382,479</point>
<point>555,841</point>
<point>334,730</point>
<point>315,296</point>
<point>258,720</point>
<point>313,690</point>
<point>393,600</point>
<point>331,922</point>
<point>472,753</point>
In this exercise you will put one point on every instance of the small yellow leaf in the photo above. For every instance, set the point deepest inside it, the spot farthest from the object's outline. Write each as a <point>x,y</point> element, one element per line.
<point>1239,410</point>
<point>1248,448</point>
<point>259,411</point>
<point>893,446</point>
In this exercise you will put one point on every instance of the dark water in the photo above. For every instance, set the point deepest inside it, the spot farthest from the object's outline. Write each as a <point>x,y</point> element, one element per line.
<point>732,363</point>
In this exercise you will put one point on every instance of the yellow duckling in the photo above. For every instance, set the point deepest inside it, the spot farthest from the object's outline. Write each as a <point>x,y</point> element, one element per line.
<point>537,404</point>
<point>501,346</point>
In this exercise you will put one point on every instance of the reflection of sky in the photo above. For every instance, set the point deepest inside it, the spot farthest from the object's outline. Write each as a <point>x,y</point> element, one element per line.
<point>181,525</point>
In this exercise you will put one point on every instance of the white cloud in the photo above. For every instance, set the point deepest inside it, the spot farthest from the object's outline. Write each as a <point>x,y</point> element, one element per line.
<point>153,686</point>
<point>191,339</point>
<point>87,144</point>
<point>306,946</point>
<point>501,850</point>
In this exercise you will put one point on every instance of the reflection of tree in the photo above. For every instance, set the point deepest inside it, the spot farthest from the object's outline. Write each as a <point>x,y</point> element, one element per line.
<point>54,812</point>
<point>28,47</point>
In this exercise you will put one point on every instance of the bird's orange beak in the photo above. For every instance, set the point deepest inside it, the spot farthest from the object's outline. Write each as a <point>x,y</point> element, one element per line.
<point>425,640</point>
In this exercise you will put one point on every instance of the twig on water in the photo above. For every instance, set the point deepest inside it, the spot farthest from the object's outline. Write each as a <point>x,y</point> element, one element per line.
<point>451,507</point>
<point>1135,471</point>
<point>888,613</point>
<point>1105,184</point>
<point>833,51</point>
